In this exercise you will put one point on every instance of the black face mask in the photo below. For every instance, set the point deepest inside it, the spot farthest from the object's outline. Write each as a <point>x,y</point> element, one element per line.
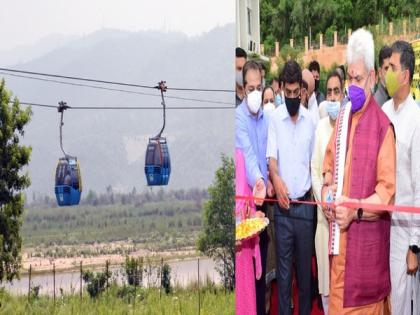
<point>292,105</point>
<point>316,85</point>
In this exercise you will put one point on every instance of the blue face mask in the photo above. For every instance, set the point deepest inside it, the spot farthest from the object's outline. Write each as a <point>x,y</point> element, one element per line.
<point>278,100</point>
<point>333,108</point>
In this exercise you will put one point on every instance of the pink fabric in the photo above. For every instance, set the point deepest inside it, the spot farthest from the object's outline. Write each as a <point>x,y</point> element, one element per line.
<point>248,252</point>
<point>367,278</point>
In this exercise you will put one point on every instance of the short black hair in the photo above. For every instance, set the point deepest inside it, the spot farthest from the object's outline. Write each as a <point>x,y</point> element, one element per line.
<point>384,53</point>
<point>250,65</point>
<point>407,58</point>
<point>291,73</point>
<point>335,74</point>
<point>314,66</point>
<point>240,53</point>
<point>305,84</point>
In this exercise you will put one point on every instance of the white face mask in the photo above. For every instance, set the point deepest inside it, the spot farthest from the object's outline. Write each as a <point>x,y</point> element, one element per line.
<point>254,101</point>
<point>269,107</point>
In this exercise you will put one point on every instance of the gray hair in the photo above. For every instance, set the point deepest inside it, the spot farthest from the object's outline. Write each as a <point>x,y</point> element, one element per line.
<point>361,47</point>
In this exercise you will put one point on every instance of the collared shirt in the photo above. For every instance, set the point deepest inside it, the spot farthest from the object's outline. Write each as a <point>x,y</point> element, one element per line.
<point>291,144</point>
<point>381,95</point>
<point>251,137</point>
<point>406,121</point>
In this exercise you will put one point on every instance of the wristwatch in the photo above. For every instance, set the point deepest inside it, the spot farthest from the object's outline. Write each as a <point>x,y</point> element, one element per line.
<point>359,214</point>
<point>414,248</point>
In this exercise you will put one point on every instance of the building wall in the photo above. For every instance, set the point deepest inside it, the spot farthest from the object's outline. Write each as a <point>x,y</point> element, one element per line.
<point>248,28</point>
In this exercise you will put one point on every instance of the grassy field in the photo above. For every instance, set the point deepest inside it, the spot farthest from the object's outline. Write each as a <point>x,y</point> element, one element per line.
<point>148,302</point>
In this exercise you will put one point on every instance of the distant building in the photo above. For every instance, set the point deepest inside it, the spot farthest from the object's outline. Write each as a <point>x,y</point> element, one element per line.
<point>248,25</point>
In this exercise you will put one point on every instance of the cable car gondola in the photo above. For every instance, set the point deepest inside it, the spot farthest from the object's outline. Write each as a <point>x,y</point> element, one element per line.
<point>68,181</point>
<point>158,164</point>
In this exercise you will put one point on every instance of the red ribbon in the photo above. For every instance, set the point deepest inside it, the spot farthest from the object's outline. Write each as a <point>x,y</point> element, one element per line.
<point>365,206</point>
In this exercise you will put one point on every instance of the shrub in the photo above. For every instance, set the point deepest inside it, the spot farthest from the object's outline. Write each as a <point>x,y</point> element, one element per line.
<point>133,268</point>
<point>166,278</point>
<point>96,283</point>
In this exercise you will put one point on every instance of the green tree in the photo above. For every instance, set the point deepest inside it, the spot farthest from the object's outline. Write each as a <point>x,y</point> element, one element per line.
<point>285,19</point>
<point>13,157</point>
<point>217,238</point>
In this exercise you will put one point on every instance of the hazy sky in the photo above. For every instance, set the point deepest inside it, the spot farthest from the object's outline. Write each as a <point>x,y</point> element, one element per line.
<point>26,21</point>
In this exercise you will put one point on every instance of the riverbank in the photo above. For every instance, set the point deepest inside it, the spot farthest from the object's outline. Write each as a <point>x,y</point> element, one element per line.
<point>40,265</point>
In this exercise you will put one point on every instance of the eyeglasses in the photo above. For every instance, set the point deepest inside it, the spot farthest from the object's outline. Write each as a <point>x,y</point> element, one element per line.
<point>334,91</point>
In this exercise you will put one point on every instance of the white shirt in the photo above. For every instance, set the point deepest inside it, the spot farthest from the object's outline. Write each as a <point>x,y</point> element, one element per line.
<point>405,227</point>
<point>322,137</point>
<point>406,121</point>
<point>323,134</point>
<point>313,109</point>
<point>323,110</point>
<point>291,144</point>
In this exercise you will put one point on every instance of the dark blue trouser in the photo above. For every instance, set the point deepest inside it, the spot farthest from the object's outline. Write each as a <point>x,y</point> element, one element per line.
<point>294,242</point>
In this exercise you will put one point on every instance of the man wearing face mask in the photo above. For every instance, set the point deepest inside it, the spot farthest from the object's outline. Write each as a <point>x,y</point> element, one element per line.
<point>359,167</point>
<point>289,150</point>
<point>312,104</point>
<point>239,64</point>
<point>322,135</point>
<point>381,94</point>
<point>251,137</point>
<point>316,70</point>
<point>405,227</point>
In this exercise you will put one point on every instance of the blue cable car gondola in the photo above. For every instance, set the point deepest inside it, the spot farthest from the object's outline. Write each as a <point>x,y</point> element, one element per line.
<point>68,185</point>
<point>158,164</point>
<point>68,181</point>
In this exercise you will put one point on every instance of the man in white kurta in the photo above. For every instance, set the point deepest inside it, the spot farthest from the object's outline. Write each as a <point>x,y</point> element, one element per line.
<point>322,137</point>
<point>404,114</point>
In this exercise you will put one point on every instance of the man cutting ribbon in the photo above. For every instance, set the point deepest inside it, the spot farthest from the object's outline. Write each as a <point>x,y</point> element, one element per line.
<point>359,165</point>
